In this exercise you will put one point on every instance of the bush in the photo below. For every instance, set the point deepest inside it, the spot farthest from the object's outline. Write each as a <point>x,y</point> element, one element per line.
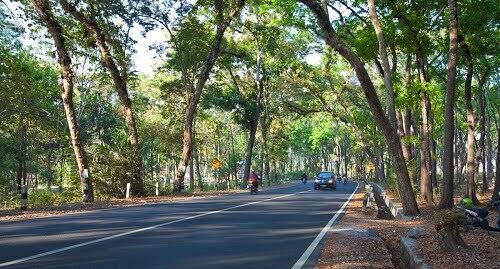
<point>8,199</point>
<point>42,199</point>
<point>47,198</point>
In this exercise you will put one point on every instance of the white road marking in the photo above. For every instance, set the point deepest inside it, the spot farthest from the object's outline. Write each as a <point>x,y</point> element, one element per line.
<point>43,254</point>
<point>302,260</point>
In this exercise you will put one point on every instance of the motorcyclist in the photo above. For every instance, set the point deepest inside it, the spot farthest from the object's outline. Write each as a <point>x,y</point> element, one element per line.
<point>304,178</point>
<point>253,179</point>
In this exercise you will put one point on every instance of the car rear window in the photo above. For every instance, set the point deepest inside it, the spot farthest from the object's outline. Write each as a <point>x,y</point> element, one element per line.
<point>325,174</point>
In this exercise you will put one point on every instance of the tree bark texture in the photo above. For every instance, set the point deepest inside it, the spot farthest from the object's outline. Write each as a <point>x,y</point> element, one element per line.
<point>481,153</point>
<point>496,189</point>
<point>120,83</point>
<point>389,131</point>
<point>425,153</point>
<point>55,29</point>
<point>489,153</point>
<point>202,78</point>
<point>471,126</point>
<point>447,184</point>
<point>391,111</point>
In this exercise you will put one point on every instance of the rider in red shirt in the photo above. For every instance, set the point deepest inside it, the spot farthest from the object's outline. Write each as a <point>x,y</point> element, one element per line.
<point>253,179</point>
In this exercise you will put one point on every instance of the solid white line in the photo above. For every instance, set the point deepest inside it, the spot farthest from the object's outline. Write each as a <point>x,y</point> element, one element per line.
<point>302,260</point>
<point>43,254</point>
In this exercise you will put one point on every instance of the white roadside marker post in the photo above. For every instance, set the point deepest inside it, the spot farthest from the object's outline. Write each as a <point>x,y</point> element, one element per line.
<point>157,185</point>
<point>127,194</point>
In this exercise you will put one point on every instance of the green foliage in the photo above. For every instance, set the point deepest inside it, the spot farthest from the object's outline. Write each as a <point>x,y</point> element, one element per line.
<point>309,111</point>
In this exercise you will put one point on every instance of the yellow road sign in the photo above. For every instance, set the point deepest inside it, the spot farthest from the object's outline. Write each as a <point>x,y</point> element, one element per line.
<point>216,163</point>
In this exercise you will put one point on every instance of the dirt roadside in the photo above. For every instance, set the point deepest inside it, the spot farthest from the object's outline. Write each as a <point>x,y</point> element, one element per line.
<point>342,253</point>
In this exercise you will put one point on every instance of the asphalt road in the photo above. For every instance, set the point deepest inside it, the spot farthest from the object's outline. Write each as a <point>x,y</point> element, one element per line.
<point>274,229</point>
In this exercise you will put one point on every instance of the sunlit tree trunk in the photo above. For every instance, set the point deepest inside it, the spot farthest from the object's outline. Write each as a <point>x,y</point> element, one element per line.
<point>391,110</point>
<point>447,186</point>
<point>496,189</point>
<point>489,152</point>
<point>120,83</point>
<point>64,60</point>
<point>471,126</point>
<point>388,130</point>
<point>481,154</point>
<point>425,158</point>
<point>187,146</point>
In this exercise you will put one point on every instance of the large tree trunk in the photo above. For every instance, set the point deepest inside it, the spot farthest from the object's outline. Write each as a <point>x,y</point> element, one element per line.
<point>489,153</point>
<point>64,60</point>
<point>481,153</point>
<point>425,153</point>
<point>425,131</point>
<point>391,110</point>
<point>496,190</point>
<point>120,83</point>
<point>471,126</point>
<point>200,84</point>
<point>388,130</point>
<point>405,128</point>
<point>447,187</point>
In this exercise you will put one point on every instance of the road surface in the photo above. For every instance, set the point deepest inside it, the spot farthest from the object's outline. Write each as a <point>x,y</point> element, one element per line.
<point>278,228</point>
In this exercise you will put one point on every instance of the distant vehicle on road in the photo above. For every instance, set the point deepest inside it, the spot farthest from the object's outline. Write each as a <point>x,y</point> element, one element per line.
<point>325,180</point>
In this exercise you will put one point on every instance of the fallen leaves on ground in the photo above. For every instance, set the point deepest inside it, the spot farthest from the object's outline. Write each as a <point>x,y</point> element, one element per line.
<point>339,253</point>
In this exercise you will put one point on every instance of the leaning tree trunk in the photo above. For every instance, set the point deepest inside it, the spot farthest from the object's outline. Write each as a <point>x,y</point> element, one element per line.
<point>64,60</point>
<point>471,126</point>
<point>391,110</point>
<point>200,84</point>
<point>447,187</point>
<point>389,131</point>
<point>120,83</point>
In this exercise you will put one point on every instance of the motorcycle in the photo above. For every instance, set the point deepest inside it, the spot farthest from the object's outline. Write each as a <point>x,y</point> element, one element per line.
<point>252,186</point>
<point>476,218</point>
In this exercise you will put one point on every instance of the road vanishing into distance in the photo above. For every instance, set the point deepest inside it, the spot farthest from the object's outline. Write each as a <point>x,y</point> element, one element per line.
<point>278,228</point>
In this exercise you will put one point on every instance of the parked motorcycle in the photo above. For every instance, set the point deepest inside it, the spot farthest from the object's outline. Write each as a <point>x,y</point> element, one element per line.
<point>477,218</point>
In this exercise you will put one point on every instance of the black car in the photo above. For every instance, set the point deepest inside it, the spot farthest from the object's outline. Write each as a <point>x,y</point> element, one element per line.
<point>325,180</point>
